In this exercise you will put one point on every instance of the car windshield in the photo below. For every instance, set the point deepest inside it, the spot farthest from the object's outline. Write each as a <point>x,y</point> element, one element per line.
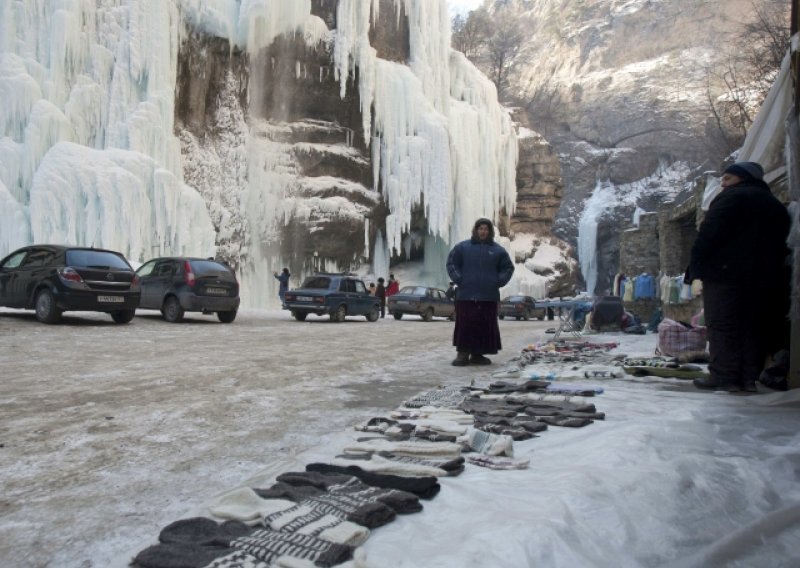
<point>515,299</point>
<point>96,259</point>
<point>317,282</point>
<point>414,290</point>
<point>206,267</point>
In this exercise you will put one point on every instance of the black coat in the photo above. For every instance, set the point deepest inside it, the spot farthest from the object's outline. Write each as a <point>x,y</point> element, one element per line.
<point>742,239</point>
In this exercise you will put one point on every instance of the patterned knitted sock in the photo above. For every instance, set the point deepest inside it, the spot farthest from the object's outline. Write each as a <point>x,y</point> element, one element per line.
<point>446,397</point>
<point>377,464</point>
<point>485,443</point>
<point>240,559</point>
<point>498,462</point>
<point>451,466</point>
<point>268,545</point>
<point>341,506</point>
<point>424,487</point>
<point>402,502</point>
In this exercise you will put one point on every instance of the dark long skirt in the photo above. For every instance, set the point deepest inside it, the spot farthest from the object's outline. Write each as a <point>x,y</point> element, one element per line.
<point>476,329</point>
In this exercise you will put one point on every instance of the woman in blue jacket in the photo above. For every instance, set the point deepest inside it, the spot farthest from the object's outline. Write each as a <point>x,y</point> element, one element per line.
<point>283,278</point>
<point>480,267</point>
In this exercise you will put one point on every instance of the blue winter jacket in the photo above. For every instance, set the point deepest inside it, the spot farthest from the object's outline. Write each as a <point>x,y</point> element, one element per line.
<point>480,269</point>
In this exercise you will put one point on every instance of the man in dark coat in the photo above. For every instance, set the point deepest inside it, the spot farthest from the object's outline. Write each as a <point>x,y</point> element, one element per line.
<point>740,256</point>
<point>480,267</point>
<point>283,278</point>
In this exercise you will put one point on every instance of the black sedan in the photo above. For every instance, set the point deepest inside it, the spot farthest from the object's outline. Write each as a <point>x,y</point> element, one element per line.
<point>175,285</point>
<point>520,307</point>
<point>335,295</point>
<point>421,301</point>
<point>52,279</point>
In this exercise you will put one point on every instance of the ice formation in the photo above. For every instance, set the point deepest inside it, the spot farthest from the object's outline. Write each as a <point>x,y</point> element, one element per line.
<point>90,153</point>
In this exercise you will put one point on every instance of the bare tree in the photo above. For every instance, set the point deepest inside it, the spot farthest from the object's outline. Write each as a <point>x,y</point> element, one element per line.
<point>471,32</point>
<point>503,46</point>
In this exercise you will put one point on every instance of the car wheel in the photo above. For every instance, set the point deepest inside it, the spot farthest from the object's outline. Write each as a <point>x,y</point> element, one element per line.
<point>398,316</point>
<point>526,317</point>
<point>428,315</point>
<point>299,316</point>
<point>374,314</point>
<point>501,316</point>
<point>339,315</point>
<point>226,317</point>
<point>46,309</point>
<point>540,318</point>
<point>517,318</point>
<point>172,310</point>
<point>123,316</point>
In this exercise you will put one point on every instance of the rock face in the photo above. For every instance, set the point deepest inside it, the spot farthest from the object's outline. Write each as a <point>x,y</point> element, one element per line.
<point>539,185</point>
<point>621,91</point>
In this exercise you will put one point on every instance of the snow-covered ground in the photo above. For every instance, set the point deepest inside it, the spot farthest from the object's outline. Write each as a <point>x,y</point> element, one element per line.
<point>153,420</point>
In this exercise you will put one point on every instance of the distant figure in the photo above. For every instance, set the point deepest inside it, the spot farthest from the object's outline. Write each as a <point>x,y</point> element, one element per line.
<point>283,278</point>
<point>451,292</point>
<point>739,255</point>
<point>480,267</point>
<point>371,288</point>
<point>380,293</point>
<point>393,287</point>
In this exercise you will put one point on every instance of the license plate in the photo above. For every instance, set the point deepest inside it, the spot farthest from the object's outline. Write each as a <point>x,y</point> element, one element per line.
<point>305,299</point>
<point>402,302</point>
<point>217,291</point>
<point>111,299</point>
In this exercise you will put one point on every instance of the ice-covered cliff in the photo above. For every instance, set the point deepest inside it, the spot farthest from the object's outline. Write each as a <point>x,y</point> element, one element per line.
<point>301,133</point>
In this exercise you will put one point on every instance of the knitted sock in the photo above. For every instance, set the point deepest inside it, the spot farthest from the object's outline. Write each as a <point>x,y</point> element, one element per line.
<point>498,462</point>
<point>244,504</point>
<point>422,487</point>
<point>269,545</point>
<point>378,464</point>
<point>517,434</point>
<point>401,502</point>
<point>282,490</point>
<point>240,559</point>
<point>449,465</point>
<point>485,443</point>
<point>341,506</point>
<point>202,531</point>
<point>565,421</point>
<point>179,555</point>
<point>422,448</point>
<point>443,397</point>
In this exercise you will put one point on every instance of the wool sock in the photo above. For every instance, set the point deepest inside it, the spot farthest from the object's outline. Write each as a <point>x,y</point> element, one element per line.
<point>421,448</point>
<point>245,505</point>
<point>269,545</point>
<point>179,555</point>
<point>498,462</point>
<point>424,487</point>
<point>378,464</point>
<point>203,531</point>
<point>283,490</point>
<point>485,443</point>
<point>241,559</point>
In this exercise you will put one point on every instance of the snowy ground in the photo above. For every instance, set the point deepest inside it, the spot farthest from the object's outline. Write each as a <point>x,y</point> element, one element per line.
<point>108,433</point>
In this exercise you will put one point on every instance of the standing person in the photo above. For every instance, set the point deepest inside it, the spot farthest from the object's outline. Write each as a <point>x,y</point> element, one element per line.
<point>393,287</point>
<point>480,267</point>
<point>380,293</point>
<point>283,278</point>
<point>450,293</point>
<point>739,255</point>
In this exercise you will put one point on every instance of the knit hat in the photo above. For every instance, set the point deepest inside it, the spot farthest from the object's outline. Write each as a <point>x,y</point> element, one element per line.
<point>746,170</point>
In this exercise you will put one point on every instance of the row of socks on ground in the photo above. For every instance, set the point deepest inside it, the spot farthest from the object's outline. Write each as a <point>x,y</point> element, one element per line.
<point>603,374</point>
<point>663,362</point>
<point>204,543</point>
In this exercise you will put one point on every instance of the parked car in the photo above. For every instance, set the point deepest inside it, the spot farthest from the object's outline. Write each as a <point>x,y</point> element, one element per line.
<point>421,301</point>
<point>176,285</point>
<point>335,295</point>
<point>52,279</point>
<point>521,307</point>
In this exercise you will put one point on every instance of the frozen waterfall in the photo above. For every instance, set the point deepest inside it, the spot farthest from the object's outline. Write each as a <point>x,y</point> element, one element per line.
<point>594,208</point>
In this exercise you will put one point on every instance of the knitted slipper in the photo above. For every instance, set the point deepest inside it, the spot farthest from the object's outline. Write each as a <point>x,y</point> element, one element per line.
<point>498,462</point>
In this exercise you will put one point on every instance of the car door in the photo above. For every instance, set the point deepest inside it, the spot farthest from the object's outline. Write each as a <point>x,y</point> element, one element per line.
<point>10,293</point>
<point>440,301</point>
<point>364,299</point>
<point>31,273</point>
<point>145,274</point>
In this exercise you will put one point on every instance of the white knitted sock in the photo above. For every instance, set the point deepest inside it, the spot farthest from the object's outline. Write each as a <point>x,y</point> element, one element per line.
<point>419,448</point>
<point>377,464</point>
<point>489,444</point>
<point>245,505</point>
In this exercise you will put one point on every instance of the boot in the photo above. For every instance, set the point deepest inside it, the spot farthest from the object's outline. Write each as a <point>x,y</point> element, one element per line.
<point>710,383</point>
<point>461,360</point>
<point>478,359</point>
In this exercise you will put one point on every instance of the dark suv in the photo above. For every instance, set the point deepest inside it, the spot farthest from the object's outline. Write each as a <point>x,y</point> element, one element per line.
<point>52,279</point>
<point>337,295</point>
<point>176,285</point>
